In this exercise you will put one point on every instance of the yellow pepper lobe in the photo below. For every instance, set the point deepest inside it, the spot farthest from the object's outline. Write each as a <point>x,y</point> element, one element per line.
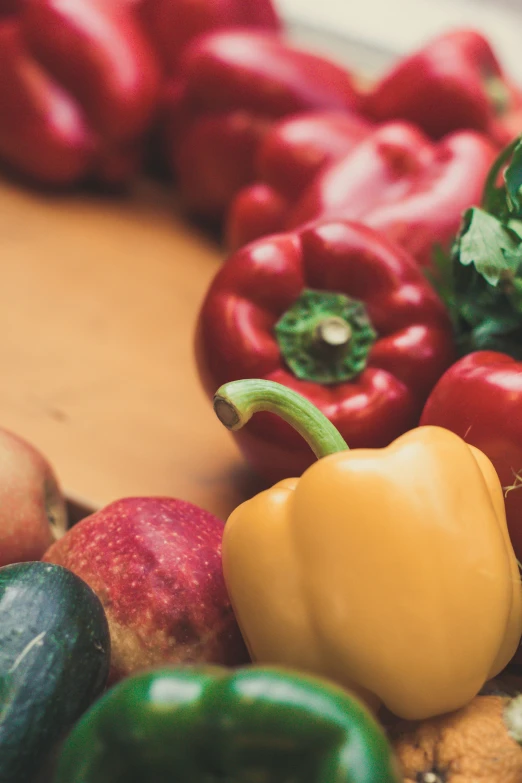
<point>387,570</point>
<point>263,579</point>
<point>259,555</point>
<point>513,631</point>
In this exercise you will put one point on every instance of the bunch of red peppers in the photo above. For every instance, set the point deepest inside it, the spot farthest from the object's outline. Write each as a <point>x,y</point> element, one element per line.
<point>226,101</point>
<point>337,201</point>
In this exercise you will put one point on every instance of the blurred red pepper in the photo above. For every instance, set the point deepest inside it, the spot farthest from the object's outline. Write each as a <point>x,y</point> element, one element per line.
<point>232,85</point>
<point>78,87</point>
<point>336,312</point>
<point>480,399</point>
<point>8,7</point>
<point>287,160</point>
<point>452,83</point>
<point>171,24</point>
<point>403,184</point>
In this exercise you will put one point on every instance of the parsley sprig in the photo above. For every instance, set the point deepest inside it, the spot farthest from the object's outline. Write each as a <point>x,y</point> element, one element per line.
<point>481,279</point>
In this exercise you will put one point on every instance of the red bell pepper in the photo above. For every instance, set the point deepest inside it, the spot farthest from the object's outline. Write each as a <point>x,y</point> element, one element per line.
<point>336,312</point>
<point>172,24</point>
<point>232,85</point>
<point>78,87</point>
<point>287,160</point>
<point>452,83</point>
<point>480,398</point>
<point>403,184</point>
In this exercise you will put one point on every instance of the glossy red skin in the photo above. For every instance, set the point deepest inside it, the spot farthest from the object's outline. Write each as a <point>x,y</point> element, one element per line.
<point>261,73</point>
<point>257,210</point>
<point>291,154</point>
<point>34,138</point>
<point>215,159</point>
<point>248,74</point>
<point>298,147</point>
<point>402,184</point>
<point>78,86</point>
<point>443,88</point>
<point>8,7</point>
<point>155,564</point>
<point>261,281</point>
<point>172,24</point>
<point>480,399</point>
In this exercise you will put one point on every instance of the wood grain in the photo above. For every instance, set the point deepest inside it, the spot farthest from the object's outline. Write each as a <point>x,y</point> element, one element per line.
<point>98,300</point>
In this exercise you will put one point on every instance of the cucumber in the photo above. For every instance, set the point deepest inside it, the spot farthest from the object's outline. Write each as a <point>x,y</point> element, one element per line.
<point>54,661</point>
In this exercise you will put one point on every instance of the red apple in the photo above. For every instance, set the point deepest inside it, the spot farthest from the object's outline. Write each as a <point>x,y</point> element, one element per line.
<point>32,508</point>
<point>155,564</point>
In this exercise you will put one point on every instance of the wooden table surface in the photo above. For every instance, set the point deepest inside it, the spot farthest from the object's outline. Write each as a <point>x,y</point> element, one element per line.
<point>98,301</point>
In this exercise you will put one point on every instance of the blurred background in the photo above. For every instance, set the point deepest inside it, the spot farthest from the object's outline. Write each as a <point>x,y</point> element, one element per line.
<point>373,32</point>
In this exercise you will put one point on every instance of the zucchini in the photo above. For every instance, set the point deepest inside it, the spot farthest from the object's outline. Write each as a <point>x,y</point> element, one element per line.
<point>54,661</point>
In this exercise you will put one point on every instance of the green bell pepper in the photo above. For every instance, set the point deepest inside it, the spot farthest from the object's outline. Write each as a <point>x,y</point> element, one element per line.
<point>215,725</point>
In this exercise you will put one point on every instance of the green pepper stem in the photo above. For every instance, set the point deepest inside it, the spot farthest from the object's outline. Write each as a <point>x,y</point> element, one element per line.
<point>333,332</point>
<point>494,171</point>
<point>236,402</point>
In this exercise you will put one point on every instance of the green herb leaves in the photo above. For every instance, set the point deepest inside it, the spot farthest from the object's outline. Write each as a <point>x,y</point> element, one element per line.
<point>489,244</point>
<point>481,281</point>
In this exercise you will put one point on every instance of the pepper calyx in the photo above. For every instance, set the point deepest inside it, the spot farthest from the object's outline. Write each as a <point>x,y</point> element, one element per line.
<point>325,337</point>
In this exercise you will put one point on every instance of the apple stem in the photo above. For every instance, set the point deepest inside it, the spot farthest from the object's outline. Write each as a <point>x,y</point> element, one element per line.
<point>236,402</point>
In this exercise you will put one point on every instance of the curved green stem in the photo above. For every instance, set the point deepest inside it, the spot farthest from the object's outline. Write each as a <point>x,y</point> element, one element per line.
<point>494,171</point>
<point>236,402</point>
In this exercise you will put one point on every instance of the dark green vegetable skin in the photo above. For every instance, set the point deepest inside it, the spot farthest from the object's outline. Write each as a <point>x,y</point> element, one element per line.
<point>54,661</point>
<point>212,725</point>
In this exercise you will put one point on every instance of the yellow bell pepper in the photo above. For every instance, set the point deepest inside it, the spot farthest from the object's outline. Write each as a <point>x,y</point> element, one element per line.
<point>387,570</point>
